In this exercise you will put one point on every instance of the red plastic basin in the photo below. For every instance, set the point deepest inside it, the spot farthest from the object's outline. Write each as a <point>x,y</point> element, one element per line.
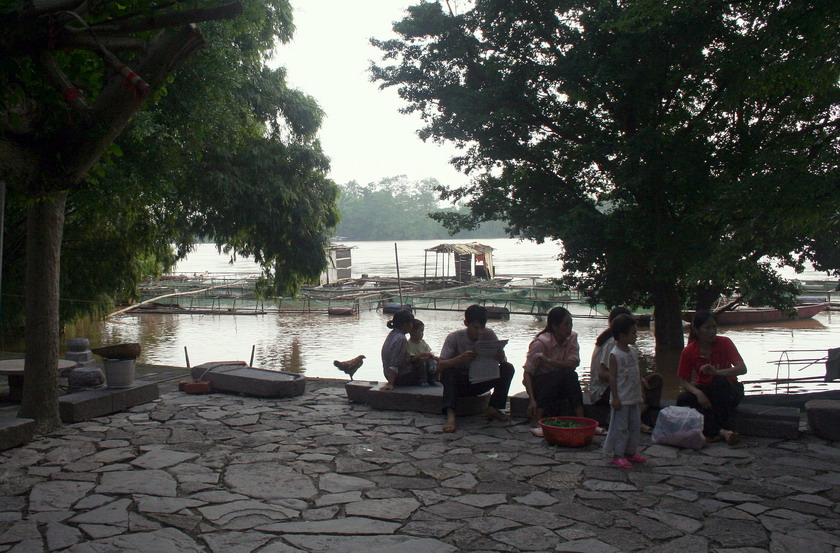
<point>569,437</point>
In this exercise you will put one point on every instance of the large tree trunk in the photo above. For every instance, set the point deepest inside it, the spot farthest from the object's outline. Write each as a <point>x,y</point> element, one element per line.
<point>45,227</point>
<point>667,316</point>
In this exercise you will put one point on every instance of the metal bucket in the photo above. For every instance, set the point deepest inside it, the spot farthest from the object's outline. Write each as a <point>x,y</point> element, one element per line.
<point>119,373</point>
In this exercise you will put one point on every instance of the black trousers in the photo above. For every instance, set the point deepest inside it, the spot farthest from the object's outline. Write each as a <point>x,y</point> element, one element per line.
<point>557,393</point>
<point>456,383</point>
<point>724,395</point>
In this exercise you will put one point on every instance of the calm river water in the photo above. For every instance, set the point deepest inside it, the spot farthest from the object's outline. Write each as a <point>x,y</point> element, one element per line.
<point>308,343</point>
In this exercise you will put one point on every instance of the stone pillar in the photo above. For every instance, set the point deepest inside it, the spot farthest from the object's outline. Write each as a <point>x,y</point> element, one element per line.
<point>78,350</point>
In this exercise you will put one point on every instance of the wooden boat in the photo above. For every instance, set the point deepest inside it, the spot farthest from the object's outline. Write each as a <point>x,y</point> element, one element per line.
<point>498,313</point>
<point>757,315</point>
<point>341,311</point>
<point>391,307</point>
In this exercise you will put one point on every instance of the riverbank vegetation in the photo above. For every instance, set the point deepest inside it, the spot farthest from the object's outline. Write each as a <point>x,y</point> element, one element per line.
<point>398,209</point>
<point>676,149</point>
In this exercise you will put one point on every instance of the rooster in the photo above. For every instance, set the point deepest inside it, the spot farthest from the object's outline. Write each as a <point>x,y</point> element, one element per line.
<point>350,367</point>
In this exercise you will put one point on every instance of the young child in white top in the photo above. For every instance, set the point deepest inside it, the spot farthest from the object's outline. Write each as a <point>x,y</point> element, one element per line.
<point>626,395</point>
<point>422,358</point>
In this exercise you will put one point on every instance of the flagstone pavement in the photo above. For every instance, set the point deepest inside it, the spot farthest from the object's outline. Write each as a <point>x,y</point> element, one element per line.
<point>316,473</point>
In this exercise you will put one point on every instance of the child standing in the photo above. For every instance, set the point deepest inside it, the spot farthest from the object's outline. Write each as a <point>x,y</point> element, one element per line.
<point>424,361</point>
<point>626,395</point>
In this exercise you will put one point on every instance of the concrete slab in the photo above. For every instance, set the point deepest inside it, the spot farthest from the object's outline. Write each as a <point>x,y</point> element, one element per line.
<point>422,399</point>
<point>237,377</point>
<point>15,432</point>
<point>82,406</point>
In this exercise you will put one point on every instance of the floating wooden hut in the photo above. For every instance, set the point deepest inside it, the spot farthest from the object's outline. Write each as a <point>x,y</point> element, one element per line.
<point>472,260</point>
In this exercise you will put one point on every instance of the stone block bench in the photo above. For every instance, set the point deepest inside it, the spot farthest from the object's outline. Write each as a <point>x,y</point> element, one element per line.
<point>750,419</point>
<point>768,421</point>
<point>15,432</point>
<point>422,399</point>
<point>824,418</point>
<point>89,404</point>
<point>519,408</point>
<point>238,378</point>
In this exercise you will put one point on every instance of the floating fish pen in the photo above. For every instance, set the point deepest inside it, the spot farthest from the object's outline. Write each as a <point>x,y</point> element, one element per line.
<point>235,294</point>
<point>229,295</point>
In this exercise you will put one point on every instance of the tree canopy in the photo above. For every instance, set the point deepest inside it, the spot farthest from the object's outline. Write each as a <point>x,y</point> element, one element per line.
<point>677,149</point>
<point>398,209</point>
<point>223,148</point>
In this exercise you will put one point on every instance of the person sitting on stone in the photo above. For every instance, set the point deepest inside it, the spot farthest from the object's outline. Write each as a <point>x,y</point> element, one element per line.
<point>424,361</point>
<point>396,363</point>
<point>457,354</point>
<point>550,378</point>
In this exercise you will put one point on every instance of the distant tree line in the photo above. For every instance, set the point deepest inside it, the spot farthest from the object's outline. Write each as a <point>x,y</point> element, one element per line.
<point>396,208</point>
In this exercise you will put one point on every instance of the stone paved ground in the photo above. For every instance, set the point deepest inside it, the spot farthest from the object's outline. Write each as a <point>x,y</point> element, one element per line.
<point>317,474</point>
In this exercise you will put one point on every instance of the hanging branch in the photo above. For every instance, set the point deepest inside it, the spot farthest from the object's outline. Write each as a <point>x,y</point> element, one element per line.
<point>133,81</point>
<point>41,7</point>
<point>72,96</point>
<point>175,19</point>
<point>87,140</point>
<point>113,43</point>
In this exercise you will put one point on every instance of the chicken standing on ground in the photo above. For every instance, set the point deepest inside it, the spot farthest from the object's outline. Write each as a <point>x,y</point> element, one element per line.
<point>350,367</point>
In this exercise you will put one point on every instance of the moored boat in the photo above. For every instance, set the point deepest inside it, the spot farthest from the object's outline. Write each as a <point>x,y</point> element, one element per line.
<point>755,315</point>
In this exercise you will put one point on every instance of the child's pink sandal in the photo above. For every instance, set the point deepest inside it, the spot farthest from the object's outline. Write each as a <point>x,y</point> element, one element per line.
<point>621,462</point>
<point>636,458</point>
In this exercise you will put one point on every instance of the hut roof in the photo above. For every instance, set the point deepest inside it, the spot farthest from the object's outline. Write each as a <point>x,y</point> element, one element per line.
<point>471,248</point>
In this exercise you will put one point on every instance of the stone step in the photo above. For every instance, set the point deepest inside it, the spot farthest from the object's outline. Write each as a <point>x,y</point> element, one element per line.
<point>422,399</point>
<point>82,406</point>
<point>237,377</point>
<point>824,418</point>
<point>750,419</point>
<point>15,432</point>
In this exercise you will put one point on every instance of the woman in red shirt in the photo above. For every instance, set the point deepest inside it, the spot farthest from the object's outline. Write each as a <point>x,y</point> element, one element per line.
<point>709,370</point>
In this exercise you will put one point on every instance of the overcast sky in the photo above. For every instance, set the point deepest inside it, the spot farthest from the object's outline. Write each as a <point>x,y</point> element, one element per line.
<point>365,136</point>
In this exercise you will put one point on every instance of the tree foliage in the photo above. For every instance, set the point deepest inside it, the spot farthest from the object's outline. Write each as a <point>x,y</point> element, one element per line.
<point>677,149</point>
<point>398,209</point>
<point>225,149</point>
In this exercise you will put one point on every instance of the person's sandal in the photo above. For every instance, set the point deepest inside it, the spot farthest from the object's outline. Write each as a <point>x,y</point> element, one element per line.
<point>537,431</point>
<point>636,458</point>
<point>733,438</point>
<point>646,429</point>
<point>494,414</point>
<point>621,462</point>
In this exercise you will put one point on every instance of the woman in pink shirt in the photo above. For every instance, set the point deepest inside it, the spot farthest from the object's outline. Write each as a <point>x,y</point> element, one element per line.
<point>550,377</point>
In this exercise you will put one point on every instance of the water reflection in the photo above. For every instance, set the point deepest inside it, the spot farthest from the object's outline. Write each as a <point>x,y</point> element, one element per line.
<point>308,343</point>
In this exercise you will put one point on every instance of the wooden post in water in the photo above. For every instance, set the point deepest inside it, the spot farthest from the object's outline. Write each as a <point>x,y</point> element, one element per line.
<point>399,284</point>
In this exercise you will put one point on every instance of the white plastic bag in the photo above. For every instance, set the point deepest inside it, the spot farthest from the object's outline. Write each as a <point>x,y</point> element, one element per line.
<point>680,427</point>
